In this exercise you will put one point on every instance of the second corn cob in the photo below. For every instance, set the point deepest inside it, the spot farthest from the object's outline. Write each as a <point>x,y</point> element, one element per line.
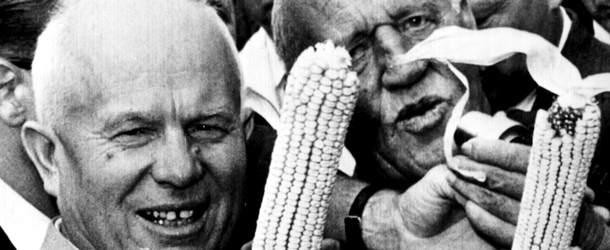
<point>317,107</point>
<point>563,146</point>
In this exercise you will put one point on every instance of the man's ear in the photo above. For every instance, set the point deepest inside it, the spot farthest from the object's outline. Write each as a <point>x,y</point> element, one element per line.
<point>13,107</point>
<point>40,143</point>
<point>464,14</point>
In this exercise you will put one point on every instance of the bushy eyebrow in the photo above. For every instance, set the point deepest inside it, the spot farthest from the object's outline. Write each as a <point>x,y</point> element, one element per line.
<point>405,10</point>
<point>115,122</point>
<point>150,120</point>
<point>223,115</point>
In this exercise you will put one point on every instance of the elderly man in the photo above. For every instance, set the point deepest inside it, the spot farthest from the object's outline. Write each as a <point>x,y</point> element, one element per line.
<point>138,132</point>
<point>401,116</point>
<point>25,206</point>
<point>401,112</point>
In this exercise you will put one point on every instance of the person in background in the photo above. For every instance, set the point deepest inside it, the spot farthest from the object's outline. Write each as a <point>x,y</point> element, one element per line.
<point>264,85</point>
<point>138,131</point>
<point>26,207</point>
<point>263,72</point>
<point>600,10</point>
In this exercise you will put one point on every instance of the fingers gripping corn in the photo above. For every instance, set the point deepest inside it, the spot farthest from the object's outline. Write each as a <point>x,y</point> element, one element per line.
<point>317,107</point>
<point>563,146</point>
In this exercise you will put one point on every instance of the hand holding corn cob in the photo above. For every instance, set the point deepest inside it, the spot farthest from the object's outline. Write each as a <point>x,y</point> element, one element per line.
<point>564,144</point>
<point>317,107</point>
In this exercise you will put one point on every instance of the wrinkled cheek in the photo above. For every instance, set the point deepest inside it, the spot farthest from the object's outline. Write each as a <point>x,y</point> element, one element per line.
<point>227,162</point>
<point>369,103</point>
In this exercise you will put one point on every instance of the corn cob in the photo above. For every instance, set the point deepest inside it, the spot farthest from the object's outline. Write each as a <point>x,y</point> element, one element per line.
<point>563,146</point>
<point>319,100</point>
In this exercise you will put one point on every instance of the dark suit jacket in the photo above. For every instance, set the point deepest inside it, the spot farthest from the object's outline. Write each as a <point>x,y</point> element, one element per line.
<point>5,242</point>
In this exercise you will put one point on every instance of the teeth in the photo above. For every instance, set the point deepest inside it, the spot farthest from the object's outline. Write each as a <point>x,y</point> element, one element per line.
<point>186,214</point>
<point>171,215</point>
<point>171,218</point>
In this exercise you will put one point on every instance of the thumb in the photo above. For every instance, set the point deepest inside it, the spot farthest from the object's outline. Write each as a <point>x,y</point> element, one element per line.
<point>427,205</point>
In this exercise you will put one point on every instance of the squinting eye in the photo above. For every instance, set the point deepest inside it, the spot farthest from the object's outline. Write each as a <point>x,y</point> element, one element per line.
<point>137,136</point>
<point>206,132</point>
<point>414,23</point>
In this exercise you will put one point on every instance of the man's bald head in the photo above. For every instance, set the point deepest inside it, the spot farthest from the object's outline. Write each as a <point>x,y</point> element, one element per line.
<point>90,42</point>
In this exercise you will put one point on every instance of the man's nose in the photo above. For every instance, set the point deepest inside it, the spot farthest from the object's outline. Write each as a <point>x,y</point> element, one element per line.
<point>178,164</point>
<point>392,43</point>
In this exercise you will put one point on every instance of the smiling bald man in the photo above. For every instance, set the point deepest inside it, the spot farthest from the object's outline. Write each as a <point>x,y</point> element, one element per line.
<point>138,130</point>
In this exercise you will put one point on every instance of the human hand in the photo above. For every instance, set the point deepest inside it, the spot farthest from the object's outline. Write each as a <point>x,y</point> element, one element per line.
<point>425,216</point>
<point>493,206</point>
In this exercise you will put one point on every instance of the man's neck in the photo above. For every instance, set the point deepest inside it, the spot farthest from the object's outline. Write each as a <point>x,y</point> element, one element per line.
<point>20,174</point>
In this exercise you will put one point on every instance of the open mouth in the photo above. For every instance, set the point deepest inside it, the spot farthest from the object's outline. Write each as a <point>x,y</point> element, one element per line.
<point>171,218</point>
<point>174,216</point>
<point>423,115</point>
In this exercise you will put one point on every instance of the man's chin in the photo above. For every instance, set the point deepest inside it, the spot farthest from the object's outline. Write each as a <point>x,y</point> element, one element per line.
<point>413,159</point>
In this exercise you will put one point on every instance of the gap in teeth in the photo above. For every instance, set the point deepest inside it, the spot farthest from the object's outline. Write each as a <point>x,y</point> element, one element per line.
<point>171,215</point>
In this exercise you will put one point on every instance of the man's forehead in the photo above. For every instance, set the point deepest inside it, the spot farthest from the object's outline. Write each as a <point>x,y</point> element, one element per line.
<point>138,42</point>
<point>340,19</point>
<point>114,44</point>
<point>184,94</point>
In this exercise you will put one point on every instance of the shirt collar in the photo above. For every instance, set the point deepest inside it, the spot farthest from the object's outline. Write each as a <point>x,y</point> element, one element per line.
<point>24,225</point>
<point>57,221</point>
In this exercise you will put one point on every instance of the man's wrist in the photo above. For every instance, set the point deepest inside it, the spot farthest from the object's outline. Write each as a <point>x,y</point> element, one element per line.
<point>379,219</point>
<point>353,222</point>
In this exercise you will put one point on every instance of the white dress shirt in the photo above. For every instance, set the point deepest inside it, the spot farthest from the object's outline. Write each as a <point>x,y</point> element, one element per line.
<point>263,71</point>
<point>24,225</point>
<point>601,33</point>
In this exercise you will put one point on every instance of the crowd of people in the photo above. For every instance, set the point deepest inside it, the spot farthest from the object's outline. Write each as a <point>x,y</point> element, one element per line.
<point>130,124</point>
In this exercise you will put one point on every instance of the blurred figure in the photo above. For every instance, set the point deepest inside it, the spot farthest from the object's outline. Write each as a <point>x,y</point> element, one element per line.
<point>600,10</point>
<point>26,207</point>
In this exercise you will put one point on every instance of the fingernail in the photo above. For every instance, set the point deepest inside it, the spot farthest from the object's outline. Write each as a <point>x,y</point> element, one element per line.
<point>467,147</point>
